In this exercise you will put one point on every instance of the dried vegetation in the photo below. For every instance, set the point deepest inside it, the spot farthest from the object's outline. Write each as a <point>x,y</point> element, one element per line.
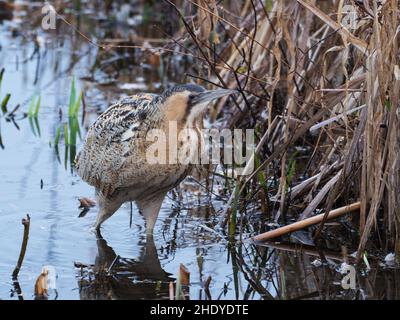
<point>320,83</point>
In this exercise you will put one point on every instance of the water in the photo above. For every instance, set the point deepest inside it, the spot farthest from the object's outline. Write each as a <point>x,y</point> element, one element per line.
<point>35,180</point>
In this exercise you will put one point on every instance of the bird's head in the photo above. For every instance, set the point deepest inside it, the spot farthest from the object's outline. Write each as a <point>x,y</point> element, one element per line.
<point>187,103</point>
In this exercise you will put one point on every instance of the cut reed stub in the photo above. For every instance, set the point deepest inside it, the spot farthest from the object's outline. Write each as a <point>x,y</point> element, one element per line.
<point>171,291</point>
<point>182,284</point>
<point>41,287</point>
<point>306,222</point>
<point>184,275</point>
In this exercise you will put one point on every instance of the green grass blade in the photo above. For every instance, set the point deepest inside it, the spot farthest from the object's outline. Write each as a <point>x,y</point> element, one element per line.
<point>66,134</point>
<point>36,121</point>
<point>37,107</point>
<point>31,107</point>
<point>32,125</point>
<point>72,153</point>
<point>235,271</point>
<point>78,104</point>
<point>66,157</point>
<point>72,130</point>
<point>57,138</point>
<point>72,98</point>
<point>5,102</point>
<point>57,154</point>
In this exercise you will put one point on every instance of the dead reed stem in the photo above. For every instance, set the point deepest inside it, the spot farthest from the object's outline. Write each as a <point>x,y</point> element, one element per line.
<point>306,223</point>
<point>26,224</point>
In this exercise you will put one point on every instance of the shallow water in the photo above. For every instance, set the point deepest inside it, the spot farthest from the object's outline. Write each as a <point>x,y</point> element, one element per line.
<point>124,264</point>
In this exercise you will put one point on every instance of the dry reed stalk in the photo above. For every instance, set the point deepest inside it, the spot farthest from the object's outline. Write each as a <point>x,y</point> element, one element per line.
<point>320,196</point>
<point>296,63</point>
<point>171,291</point>
<point>182,283</point>
<point>26,224</point>
<point>305,223</point>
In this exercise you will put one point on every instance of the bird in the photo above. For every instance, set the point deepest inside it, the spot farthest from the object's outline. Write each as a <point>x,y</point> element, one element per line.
<point>114,158</point>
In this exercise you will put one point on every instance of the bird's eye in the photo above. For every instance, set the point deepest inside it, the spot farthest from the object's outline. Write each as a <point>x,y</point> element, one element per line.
<point>192,99</point>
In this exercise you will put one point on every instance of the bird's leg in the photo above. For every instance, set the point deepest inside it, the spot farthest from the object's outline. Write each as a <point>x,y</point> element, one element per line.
<point>149,208</point>
<point>107,208</point>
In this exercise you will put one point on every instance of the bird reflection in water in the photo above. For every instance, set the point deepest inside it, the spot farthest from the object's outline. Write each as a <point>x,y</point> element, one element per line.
<point>115,277</point>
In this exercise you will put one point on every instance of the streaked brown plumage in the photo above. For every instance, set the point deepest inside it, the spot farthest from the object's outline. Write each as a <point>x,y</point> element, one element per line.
<point>113,158</point>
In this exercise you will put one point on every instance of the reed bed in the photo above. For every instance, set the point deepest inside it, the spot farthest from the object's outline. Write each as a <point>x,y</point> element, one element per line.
<point>320,83</point>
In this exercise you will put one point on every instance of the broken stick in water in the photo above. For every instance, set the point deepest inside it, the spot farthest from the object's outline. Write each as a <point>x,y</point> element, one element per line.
<point>305,223</point>
<point>17,287</point>
<point>26,223</point>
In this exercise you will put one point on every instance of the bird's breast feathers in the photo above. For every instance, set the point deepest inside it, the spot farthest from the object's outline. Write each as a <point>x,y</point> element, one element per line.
<point>114,153</point>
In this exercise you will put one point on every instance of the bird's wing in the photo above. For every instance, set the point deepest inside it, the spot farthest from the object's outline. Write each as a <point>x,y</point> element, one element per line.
<point>112,139</point>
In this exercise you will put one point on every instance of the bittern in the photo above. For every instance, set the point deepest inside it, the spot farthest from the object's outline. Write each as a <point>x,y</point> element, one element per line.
<point>113,158</point>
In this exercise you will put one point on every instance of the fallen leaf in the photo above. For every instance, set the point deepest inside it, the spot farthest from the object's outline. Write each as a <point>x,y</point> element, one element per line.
<point>86,203</point>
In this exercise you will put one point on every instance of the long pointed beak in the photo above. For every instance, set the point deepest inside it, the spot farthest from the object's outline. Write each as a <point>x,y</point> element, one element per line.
<point>209,95</point>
